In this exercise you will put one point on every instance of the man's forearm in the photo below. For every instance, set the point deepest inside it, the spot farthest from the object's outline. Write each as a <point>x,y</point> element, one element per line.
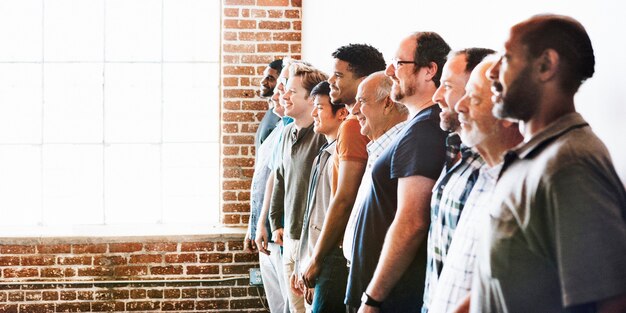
<point>269,187</point>
<point>276,207</point>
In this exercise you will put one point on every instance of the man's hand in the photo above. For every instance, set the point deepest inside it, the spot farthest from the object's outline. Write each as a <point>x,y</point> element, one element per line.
<point>293,284</point>
<point>311,273</point>
<point>368,309</point>
<point>248,244</point>
<point>277,236</point>
<point>261,239</point>
<point>308,295</point>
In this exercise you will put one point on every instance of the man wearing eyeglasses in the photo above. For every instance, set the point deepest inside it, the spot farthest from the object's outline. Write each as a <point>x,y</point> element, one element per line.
<point>389,255</point>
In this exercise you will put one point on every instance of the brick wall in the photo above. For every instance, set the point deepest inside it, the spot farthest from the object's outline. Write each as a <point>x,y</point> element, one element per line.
<point>255,32</point>
<point>63,274</point>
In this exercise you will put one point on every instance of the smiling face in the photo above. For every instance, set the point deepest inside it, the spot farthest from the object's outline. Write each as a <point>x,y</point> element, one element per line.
<point>268,82</point>
<point>326,122</point>
<point>477,122</point>
<point>369,110</point>
<point>343,84</point>
<point>297,102</point>
<point>452,88</point>
<point>404,75</point>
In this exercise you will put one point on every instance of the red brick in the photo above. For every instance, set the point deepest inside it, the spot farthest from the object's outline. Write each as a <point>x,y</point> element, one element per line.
<point>255,105</point>
<point>249,128</point>
<point>222,292</point>
<point>231,219</point>
<point>239,70</point>
<point>125,247</point>
<point>208,269</point>
<point>229,195</point>
<point>231,173</point>
<point>245,12</point>
<point>36,308</point>
<point>131,271</point>
<point>248,173</point>
<point>232,105</point>
<point>274,25</point>
<point>239,24</point>
<point>239,140</point>
<point>255,36</point>
<point>238,93</point>
<point>206,293</point>
<point>246,257</point>
<point>239,2</point>
<point>196,246</point>
<point>245,82</point>
<point>296,48</point>
<point>275,13</point>
<point>75,260</point>
<point>281,3</point>
<point>37,260</point>
<point>239,48</point>
<point>236,269</point>
<point>23,272</point>
<point>68,295</point>
<point>32,296</point>
<point>171,293</point>
<point>8,308</point>
<point>287,36</point>
<point>155,294</point>
<point>237,117</point>
<point>216,258</point>
<point>189,293</point>
<point>73,307</point>
<point>296,3</point>
<point>49,296</point>
<point>181,258</point>
<point>296,25</point>
<point>57,272</point>
<point>54,248</point>
<point>230,59</point>
<point>120,294</point>
<point>107,306</point>
<point>109,260</point>
<point>16,249</point>
<point>245,303</point>
<point>235,185</point>
<point>230,128</point>
<point>16,296</point>
<point>161,246</point>
<point>220,246</point>
<point>231,12</point>
<point>9,260</point>
<point>177,305</point>
<point>230,81</point>
<point>236,207</point>
<point>166,270</point>
<point>212,305</point>
<point>272,47</point>
<point>245,219</point>
<point>95,271</point>
<point>239,292</point>
<point>85,295</point>
<point>146,258</point>
<point>142,306</point>
<point>258,13</point>
<point>230,150</point>
<point>89,248</point>
<point>235,245</point>
<point>230,36</point>
<point>292,13</point>
<point>138,294</point>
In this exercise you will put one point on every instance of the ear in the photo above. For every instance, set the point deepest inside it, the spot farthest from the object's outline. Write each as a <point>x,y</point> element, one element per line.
<point>547,65</point>
<point>431,70</point>
<point>342,114</point>
<point>388,105</point>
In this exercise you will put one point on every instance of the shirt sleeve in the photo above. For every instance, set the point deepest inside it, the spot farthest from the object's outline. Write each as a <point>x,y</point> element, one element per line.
<point>276,210</point>
<point>420,152</point>
<point>588,207</point>
<point>351,145</point>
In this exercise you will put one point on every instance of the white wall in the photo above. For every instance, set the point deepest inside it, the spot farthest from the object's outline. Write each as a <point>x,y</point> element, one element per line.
<point>328,24</point>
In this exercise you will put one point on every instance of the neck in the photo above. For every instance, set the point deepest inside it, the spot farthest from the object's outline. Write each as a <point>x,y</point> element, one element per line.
<point>493,150</point>
<point>554,105</point>
<point>331,137</point>
<point>391,122</point>
<point>303,122</point>
<point>420,101</point>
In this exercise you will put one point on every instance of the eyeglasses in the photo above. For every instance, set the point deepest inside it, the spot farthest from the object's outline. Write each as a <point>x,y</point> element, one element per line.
<point>397,62</point>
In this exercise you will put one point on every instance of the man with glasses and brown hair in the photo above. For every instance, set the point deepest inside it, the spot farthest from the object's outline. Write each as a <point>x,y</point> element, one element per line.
<point>389,255</point>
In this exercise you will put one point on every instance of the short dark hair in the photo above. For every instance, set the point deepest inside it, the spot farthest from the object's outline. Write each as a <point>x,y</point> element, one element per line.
<point>473,56</point>
<point>277,65</point>
<point>363,59</point>
<point>568,38</point>
<point>323,89</point>
<point>431,48</point>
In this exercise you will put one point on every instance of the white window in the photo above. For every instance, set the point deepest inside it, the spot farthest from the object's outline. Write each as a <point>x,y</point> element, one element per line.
<point>109,115</point>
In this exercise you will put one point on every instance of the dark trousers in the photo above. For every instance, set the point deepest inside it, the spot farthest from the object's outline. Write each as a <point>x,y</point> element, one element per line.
<point>330,288</point>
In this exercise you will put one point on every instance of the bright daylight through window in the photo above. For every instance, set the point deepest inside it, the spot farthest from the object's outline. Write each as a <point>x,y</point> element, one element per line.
<point>109,115</point>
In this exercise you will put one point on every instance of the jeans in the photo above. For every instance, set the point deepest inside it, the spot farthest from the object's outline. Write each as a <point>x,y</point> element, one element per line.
<point>330,287</point>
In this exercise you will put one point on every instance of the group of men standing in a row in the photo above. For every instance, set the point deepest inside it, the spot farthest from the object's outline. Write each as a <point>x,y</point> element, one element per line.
<point>441,182</point>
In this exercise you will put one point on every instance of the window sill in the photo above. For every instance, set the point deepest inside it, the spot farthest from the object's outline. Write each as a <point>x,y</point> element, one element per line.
<point>117,233</point>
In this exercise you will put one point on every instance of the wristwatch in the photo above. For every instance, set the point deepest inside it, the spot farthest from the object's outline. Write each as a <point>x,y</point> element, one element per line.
<point>365,298</point>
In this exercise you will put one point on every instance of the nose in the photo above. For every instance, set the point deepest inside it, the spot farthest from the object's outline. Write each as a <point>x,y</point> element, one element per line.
<point>286,95</point>
<point>314,111</point>
<point>390,70</point>
<point>438,97</point>
<point>331,79</point>
<point>356,109</point>
<point>461,106</point>
<point>494,71</point>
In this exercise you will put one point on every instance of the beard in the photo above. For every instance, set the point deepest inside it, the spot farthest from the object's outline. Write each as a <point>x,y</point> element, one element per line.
<point>266,92</point>
<point>397,92</point>
<point>521,99</point>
